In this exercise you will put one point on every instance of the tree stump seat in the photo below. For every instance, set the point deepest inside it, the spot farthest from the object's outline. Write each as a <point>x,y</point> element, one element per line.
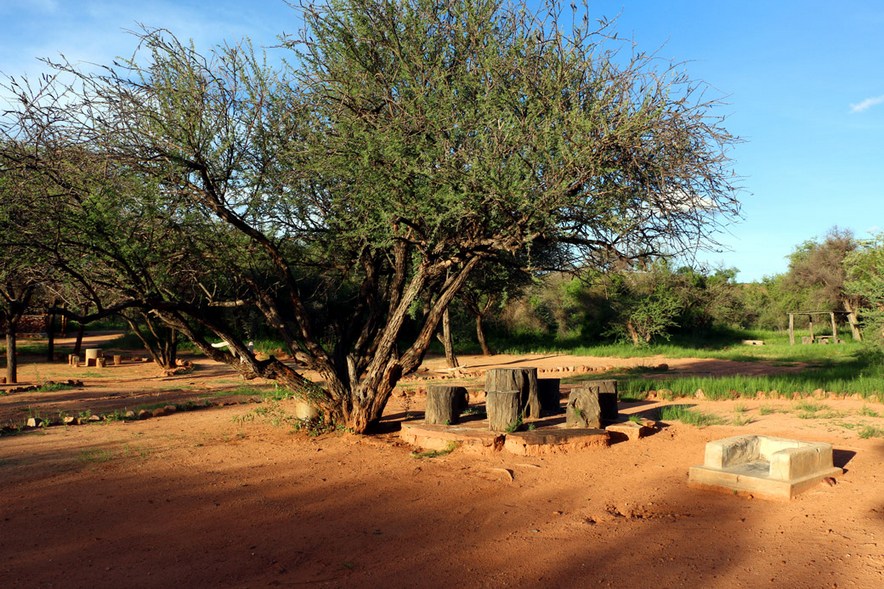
<point>445,404</point>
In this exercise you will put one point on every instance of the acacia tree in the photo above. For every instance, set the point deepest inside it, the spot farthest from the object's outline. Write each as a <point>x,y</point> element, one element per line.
<point>817,268</point>
<point>864,269</point>
<point>410,142</point>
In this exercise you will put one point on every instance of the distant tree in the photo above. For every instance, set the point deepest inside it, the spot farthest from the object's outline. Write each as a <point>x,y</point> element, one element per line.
<point>816,269</point>
<point>22,270</point>
<point>646,304</point>
<point>411,142</point>
<point>864,269</point>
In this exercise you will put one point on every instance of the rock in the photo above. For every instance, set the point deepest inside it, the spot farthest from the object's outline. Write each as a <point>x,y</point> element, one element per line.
<point>170,409</point>
<point>158,412</point>
<point>70,420</point>
<point>129,414</point>
<point>34,422</point>
<point>144,414</point>
<point>94,418</point>
<point>699,394</point>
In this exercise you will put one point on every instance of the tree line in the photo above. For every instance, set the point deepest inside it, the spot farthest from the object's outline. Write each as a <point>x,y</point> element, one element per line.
<point>835,273</point>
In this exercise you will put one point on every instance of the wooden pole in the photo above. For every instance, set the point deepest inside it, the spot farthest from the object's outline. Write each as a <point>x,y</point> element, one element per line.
<point>810,322</point>
<point>834,328</point>
<point>791,329</point>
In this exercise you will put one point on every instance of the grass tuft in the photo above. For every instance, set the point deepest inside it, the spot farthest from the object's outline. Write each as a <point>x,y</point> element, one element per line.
<point>688,416</point>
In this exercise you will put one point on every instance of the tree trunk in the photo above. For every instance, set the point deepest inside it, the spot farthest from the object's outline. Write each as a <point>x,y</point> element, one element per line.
<point>448,341</point>
<point>504,409</point>
<point>160,340</point>
<point>523,380</point>
<point>608,397</point>
<point>11,360</point>
<point>78,343</point>
<point>81,331</point>
<point>583,409</point>
<point>50,335</point>
<point>633,334</point>
<point>480,335</point>
<point>445,404</point>
<point>852,320</point>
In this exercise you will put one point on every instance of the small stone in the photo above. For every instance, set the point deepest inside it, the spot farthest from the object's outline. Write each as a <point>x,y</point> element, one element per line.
<point>34,422</point>
<point>129,414</point>
<point>70,420</point>
<point>170,409</point>
<point>700,394</point>
<point>94,418</point>
<point>144,414</point>
<point>158,412</point>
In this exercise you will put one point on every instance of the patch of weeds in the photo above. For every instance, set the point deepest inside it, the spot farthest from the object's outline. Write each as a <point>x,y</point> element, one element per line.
<point>316,426</point>
<point>688,416</point>
<point>810,407</point>
<point>451,447</point>
<point>130,452</point>
<point>741,408</point>
<point>49,387</point>
<point>244,418</point>
<point>95,456</point>
<point>635,419</point>
<point>742,420</point>
<point>117,415</point>
<point>475,410</point>
<point>871,432</point>
<point>808,410</point>
<point>767,410</point>
<point>531,427</point>
<point>868,412</point>
<point>514,426</point>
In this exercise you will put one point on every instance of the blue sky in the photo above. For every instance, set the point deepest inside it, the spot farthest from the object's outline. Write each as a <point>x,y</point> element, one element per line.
<point>803,81</point>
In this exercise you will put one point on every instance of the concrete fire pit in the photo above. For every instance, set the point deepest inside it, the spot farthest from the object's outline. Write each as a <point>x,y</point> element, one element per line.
<point>774,468</point>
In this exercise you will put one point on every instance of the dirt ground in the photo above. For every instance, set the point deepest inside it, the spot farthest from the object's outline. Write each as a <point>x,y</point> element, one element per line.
<point>221,497</point>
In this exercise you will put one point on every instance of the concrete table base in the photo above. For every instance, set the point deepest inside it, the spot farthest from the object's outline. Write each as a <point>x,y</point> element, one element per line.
<point>764,466</point>
<point>476,437</point>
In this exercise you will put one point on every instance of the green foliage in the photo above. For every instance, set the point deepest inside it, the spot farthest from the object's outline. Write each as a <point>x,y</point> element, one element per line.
<point>688,416</point>
<point>870,431</point>
<point>343,200</point>
<point>865,281</point>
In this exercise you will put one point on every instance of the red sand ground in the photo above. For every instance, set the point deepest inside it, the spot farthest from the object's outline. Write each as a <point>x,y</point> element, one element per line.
<point>221,497</point>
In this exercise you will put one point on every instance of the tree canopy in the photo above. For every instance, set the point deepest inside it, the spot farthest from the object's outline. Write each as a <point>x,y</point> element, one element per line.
<point>404,145</point>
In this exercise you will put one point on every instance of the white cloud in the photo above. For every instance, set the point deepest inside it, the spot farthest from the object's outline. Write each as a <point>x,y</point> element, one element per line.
<point>866,104</point>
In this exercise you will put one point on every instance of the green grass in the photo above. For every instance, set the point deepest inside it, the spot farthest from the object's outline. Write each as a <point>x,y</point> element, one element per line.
<point>95,456</point>
<point>688,416</point>
<point>871,432</point>
<point>866,411</point>
<point>54,386</point>
<point>768,410</point>
<point>845,375</point>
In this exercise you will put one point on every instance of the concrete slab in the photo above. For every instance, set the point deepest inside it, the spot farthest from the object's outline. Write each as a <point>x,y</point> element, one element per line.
<point>476,437</point>
<point>766,466</point>
<point>554,440</point>
<point>627,430</point>
<point>438,437</point>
